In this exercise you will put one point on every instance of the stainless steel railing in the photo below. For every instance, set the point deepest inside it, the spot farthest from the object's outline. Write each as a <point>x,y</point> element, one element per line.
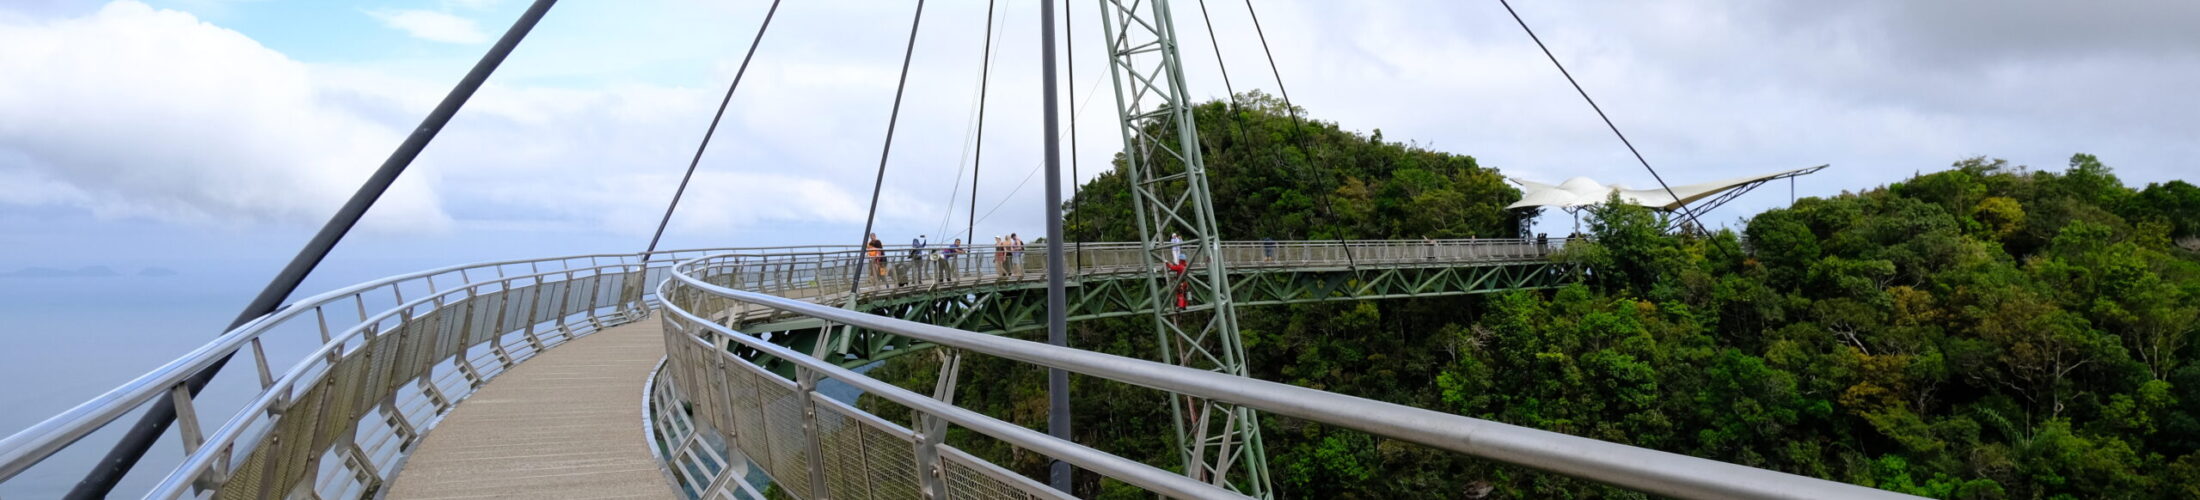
<point>827,277</point>
<point>370,345</point>
<point>486,316</point>
<point>702,367</point>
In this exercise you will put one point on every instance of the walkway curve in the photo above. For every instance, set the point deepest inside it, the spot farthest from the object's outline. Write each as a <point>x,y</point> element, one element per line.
<point>566,424</point>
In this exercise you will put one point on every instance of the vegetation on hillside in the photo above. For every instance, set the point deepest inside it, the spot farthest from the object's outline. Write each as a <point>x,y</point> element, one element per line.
<point>1982,332</point>
<point>1273,177</point>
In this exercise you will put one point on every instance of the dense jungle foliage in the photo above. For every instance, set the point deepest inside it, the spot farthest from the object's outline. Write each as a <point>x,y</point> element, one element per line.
<point>1986,331</point>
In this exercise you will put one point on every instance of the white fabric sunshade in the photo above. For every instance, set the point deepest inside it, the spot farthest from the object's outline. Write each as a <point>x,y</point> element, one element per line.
<point>1583,191</point>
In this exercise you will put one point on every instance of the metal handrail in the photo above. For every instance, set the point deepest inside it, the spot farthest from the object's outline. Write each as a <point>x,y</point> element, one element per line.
<point>35,444</point>
<point>302,375</point>
<point>1129,471</point>
<point>828,270</point>
<point>1621,465</point>
<point>32,445</point>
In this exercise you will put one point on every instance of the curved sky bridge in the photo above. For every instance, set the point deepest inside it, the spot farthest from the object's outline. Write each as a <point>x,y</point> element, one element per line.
<point>690,373</point>
<point>981,293</point>
<point>543,378</point>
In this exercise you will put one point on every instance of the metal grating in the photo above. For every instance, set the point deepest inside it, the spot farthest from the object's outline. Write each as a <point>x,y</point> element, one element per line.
<point>789,462</point>
<point>889,454</point>
<point>748,420</point>
<point>969,477</point>
<point>842,442</point>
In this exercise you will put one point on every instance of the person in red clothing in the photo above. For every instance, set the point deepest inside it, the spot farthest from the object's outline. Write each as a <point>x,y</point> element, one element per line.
<point>1182,287</point>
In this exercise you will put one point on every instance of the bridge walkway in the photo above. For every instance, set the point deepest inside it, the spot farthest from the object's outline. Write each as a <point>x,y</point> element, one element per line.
<point>569,422</point>
<point>566,424</point>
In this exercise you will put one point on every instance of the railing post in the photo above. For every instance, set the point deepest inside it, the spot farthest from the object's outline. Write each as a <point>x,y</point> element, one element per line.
<point>932,430</point>
<point>397,422</point>
<point>929,435</point>
<point>806,385</point>
<point>187,420</point>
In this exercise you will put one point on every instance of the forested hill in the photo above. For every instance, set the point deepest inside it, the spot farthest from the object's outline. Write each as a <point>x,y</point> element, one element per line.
<point>1980,332</point>
<point>1986,331</point>
<point>1275,177</point>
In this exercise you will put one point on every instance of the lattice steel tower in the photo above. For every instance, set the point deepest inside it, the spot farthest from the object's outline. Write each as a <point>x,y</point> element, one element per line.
<point>1220,443</point>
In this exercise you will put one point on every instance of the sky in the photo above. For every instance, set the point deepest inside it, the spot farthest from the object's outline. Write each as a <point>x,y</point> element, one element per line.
<point>211,137</point>
<point>216,134</point>
<point>189,147</point>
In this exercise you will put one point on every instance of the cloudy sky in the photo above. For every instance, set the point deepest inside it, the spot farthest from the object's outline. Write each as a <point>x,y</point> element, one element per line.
<point>217,134</point>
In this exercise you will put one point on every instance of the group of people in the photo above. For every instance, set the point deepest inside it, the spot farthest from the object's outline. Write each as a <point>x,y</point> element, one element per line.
<point>1008,253</point>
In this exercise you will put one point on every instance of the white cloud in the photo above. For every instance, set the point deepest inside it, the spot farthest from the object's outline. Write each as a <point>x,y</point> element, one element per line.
<point>472,4</point>
<point>119,113</point>
<point>432,26</point>
<point>118,117</point>
<point>588,125</point>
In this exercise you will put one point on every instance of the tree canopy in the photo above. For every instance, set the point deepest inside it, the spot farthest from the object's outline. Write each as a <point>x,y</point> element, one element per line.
<point>1986,331</point>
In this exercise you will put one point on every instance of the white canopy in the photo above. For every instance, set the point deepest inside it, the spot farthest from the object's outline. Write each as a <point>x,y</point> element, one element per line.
<point>1582,191</point>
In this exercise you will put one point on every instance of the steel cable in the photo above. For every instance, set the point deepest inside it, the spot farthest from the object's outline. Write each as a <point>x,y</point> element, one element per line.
<point>132,445</point>
<point>1600,110</point>
<point>1236,117</point>
<point>973,128</point>
<point>901,85</point>
<point>985,69</point>
<point>1298,134</point>
<point>713,130</point>
<point>1069,38</point>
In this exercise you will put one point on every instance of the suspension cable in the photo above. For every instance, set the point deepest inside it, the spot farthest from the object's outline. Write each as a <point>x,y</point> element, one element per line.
<point>855,281</point>
<point>972,128</point>
<point>1237,118</point>
<point>954,189</point>
<point>985,69</point>
<point>1035,169</point>
<point>1297,133</point>
<point>1285,91</point>
<point>1224,68</point>
<point>713,130</point>
<point>132,445</point>
<point>1600,111</point>
<point>1069,38</point>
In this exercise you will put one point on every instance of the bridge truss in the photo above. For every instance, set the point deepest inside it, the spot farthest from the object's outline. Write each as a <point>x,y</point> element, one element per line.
<point>1220,443</point>
<point>1109,284</point>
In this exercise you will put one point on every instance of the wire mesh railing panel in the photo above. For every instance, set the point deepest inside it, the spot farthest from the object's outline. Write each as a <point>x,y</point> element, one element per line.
<point>841,439</point>
<point>789,456</point>
<point>897,458</point>
<point>971,478</point>
<point>747,408</point>
<point>889,459</point>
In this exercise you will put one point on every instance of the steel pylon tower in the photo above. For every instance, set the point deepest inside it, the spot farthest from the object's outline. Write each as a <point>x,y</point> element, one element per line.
<point>1219,442</point>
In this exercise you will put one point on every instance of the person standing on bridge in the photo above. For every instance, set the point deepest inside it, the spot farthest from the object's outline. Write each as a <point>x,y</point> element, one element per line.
<point>1015,255</point>
<point>916,259</point>
<point>876,251</point>
<point>1000,256</point>
<point>1268,249</point>
<point>947,259</point>
<point>1176,246</point>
